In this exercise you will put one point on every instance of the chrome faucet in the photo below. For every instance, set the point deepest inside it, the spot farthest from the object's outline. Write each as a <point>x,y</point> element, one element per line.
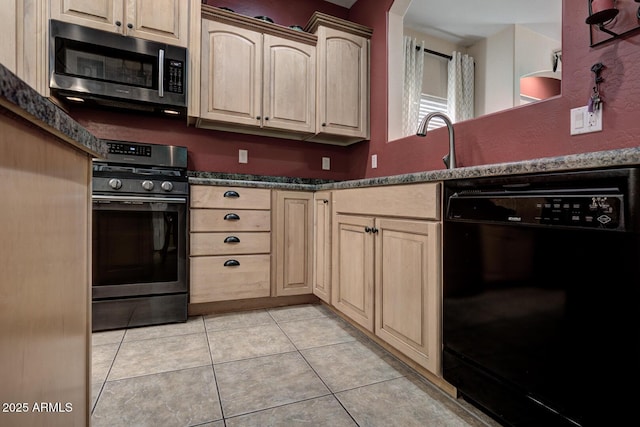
<point>450,159</point>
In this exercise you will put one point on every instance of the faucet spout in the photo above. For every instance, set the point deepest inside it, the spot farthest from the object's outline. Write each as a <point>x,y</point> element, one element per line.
<point>449,159</point>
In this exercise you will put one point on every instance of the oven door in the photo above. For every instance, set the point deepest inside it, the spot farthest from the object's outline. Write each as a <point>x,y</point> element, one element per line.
<point>139,246</point>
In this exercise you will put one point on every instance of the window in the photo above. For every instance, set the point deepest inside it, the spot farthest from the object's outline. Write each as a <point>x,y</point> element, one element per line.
<point>429,104</point>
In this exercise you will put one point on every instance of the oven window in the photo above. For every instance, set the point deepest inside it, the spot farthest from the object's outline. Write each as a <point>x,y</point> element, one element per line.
<point>105,64</point>
<point>132,246</point>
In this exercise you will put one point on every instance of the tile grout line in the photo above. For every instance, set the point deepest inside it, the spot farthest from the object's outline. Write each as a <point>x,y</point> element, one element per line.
<point>93,408</point>
<point>213,368</point>
<point>317,374</point>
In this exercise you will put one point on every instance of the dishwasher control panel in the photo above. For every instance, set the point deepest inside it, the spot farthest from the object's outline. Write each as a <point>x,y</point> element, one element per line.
<point>604,211</point>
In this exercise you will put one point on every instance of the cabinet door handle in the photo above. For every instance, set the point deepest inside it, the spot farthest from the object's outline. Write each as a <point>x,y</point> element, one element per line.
<point>266,118</point>
<point>232,239</point>
<point>374,230</point>
<point>257,117</point>
<point>231,217</point>
<point>231,263</point>
<point>130,26</point>
<point>118,23</point>
<point>323,125</point>
<point>325,201</point>
<point>231,193</point>
<point>368,229</point>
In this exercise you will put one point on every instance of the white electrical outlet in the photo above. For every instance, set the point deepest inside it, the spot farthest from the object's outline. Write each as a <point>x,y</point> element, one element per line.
<point>374,161</point>
<point>582,121</point>
<point>243,156</point>
<point>326,163</point>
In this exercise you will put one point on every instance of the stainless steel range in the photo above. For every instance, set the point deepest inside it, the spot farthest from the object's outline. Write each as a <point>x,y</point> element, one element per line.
<point>140,195</point>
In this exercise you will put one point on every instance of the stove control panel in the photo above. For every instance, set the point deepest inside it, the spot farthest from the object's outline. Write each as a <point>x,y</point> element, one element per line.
<point>107,185</point>
<point>137,150</point>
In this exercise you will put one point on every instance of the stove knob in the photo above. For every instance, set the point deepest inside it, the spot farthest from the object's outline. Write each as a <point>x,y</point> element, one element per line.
<point>167,186</point>
<point>147,185</point>
<point>115,183</point>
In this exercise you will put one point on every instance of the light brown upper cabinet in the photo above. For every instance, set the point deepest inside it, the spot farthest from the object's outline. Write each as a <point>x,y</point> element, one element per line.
<point>164,21</point>
<point>343,80</point>
<point>255,77</point>
<point>24,43</point>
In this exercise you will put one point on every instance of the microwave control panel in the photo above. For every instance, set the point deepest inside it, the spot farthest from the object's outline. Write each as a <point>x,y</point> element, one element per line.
<point>175,76</point>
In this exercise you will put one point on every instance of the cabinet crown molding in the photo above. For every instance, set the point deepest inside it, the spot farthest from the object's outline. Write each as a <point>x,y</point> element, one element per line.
<point>319,19</point>
<point>216,14</point>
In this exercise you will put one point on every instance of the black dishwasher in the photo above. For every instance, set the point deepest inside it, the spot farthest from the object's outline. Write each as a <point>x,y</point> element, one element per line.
<point>541,301</point>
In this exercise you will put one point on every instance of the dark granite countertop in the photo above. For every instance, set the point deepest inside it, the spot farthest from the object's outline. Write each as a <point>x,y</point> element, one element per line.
<point>21,99</point>
<point>594,160</point>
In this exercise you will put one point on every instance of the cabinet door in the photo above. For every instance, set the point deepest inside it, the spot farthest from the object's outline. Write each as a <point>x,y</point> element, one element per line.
<point>289,91</point>
<point>293,240</point>
<point>343,83</point>
<point>229,277</point>
<point>352,276</point>
<point>9,36</point>
<point>164,21</point>
<point>231,76</point>
<point>106,15</point>
<point>408,289</point>
<point>322,246</point>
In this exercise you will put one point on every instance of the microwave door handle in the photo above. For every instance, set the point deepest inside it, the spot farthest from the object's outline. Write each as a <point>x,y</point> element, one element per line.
<point>161,73</point>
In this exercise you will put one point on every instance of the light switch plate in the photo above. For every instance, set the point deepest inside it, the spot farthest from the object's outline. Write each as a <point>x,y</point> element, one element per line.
<point>374,161</point>
<point>582,121</point>
<point>243,156</point>
<point>326,163</point>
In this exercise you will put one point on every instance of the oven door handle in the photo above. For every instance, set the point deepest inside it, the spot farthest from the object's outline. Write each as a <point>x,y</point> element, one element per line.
<point>138,199</point>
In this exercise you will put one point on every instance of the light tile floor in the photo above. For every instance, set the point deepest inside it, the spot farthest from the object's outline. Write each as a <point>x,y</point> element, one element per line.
<point>289,366</point>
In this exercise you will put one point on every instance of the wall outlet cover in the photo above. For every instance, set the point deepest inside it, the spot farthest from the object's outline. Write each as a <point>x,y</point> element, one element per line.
<point>243,156</point>
<point>582,121</point>
<point>326,163</point>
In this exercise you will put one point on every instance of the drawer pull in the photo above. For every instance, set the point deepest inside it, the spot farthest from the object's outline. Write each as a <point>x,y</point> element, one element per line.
<point>231,217</point>
<point>231,263</point>
<point>231,193</point>
<point>232,239</point>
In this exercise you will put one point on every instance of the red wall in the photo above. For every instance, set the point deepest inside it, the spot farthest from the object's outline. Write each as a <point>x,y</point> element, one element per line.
<point>532,131</point>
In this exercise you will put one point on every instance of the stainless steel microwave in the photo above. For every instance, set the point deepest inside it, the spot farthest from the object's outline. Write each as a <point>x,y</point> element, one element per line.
<point>112,70</point>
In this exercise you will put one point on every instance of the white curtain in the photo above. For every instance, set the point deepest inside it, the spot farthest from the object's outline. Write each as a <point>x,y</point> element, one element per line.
<point>413,70</point>
<point>460,88</point>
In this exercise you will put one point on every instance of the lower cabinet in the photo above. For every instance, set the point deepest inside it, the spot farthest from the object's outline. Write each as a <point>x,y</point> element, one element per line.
<point>352,278</point>
<point>387,269</point>
<point>407,288</point>
<point>293,242</point>
<point>322,245</point>
<point>230,243</point>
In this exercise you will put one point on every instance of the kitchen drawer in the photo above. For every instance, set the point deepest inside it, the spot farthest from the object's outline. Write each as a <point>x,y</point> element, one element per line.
<point>407,201</point>
<point>212,281</point>
<point>224,243</point>
<point>214,220</point>
<point>206,196</point>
